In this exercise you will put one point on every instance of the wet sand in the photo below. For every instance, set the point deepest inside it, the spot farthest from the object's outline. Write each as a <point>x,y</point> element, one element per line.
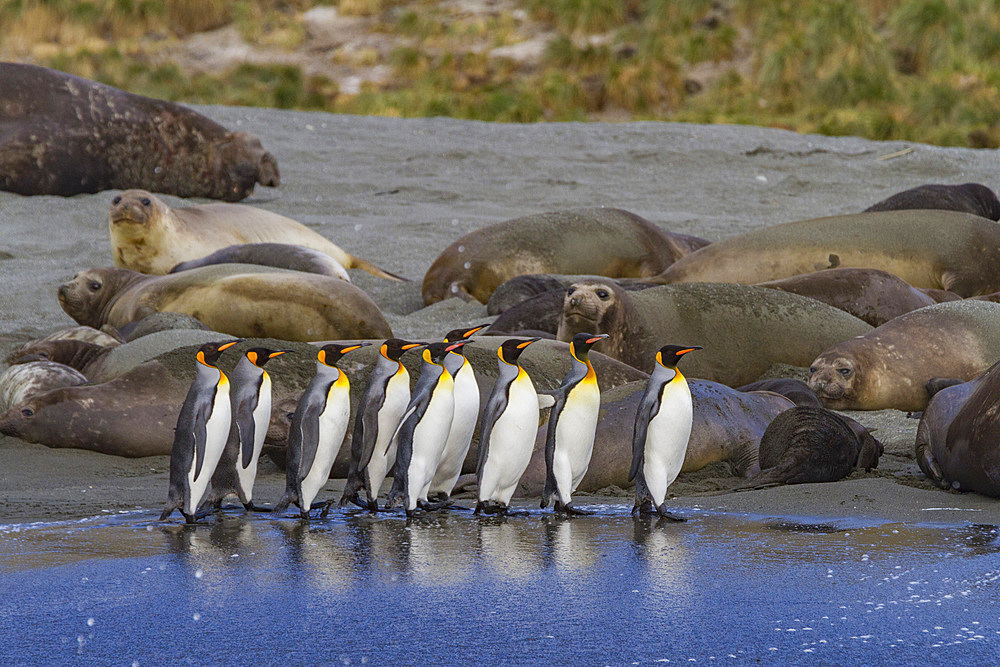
<point>396,192</point>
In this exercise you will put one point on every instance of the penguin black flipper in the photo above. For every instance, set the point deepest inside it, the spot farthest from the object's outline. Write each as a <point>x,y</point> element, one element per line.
<point>245,428</point>
<point>198,428</point>
<point>648,408</point>
<point>404,449</point>
<point>494,408</point>
<point>550,446</point>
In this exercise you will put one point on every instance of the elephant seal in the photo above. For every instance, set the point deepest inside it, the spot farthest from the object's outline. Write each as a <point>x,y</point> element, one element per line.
<point>279,255</point>
<point>235,299</point>
<point>64,135</point>
<point>83,333</point>
<point>956,439</point>
<point>743,329</point>
<point>889,366</point>
<point>959,252</point>
<point>973,198</point>
<point>23,381</point>
<point>150,237</point>
<point>797,391</point>
<point>159,321</point>
<point>76,354</point>
<point>805,445</point>
<point>603,241</point>
<point>871,295</point>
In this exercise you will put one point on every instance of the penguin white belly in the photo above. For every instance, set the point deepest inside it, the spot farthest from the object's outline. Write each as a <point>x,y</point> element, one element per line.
<point>332,427</point>
<point>575,432</point>
<point>666,441</point>
<point>511,443</point>
<point>397,397</point>
<point>429,438</point>
<point>261,419</point>
<point>216,435</point>
<point>460,435</point>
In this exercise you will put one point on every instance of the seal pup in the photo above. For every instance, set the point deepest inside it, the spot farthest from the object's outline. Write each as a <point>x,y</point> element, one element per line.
<point>598,241</point>
<point>201,433</point>
<point>317,432</point>
<point>508,432</point>
<point>25,380</point>
<point>974,198</point>
<point>150,237</point>
<point>64,135</point>
<point>662,429</point>
<point>569,442</point>
<point>373,449</point>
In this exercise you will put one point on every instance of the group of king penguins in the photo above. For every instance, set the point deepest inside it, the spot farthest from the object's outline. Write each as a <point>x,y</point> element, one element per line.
<point>423,437</point>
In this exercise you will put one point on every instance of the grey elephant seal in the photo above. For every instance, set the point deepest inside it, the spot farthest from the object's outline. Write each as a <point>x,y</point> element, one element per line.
<point>64,135</point>
<point>912,245</point>
<point>79,355</point>
<point>956,439</point>
<point>797,391</point>
<point>23,381</point>
<point>235,299</point>
<point>279,255</point>
<point>805,445</point>
<point>743,329</point>
<point>159,321</point>
<point>150,237</point>
<point>889,366</point>
<point>602,241</point>
<point>973,198</point>
<point>871,295</point>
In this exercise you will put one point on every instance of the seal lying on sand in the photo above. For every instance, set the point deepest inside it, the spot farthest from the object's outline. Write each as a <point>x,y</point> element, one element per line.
<point>278,255</point>
<point>946,250</point>
<point>796,391</point>
<point>973,198</point>
<point>63,135</point>
<point>236,299</point>
<point>602,241</point>
<point>23,381</point>
<point>889,366</point>
<point>150,237</point>
<point>743,329</point>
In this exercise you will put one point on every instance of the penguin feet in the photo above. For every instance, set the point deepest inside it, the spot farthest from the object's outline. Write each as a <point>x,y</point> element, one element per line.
<point>643,507</point>
<point>666,514</point>
<point>570,510</point>
<point>433,506</point>
<point>250,507</point>
<point>490,507</point>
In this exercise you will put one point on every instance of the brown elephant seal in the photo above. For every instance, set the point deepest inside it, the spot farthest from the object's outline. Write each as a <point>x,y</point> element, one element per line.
<point>743,329</point>
<point>727,425</point>
<point>797,391</point>
<point>235,299</point>
<point>83,333</point>
<point>889,366</point>
<point>279,255</point>
<point>959,252</point>
<point>23,381</point>
<point>871,295</point>
<point>76,354</point>
<point>64,135</point>
<point>956,439</point>
<point>159,321</point>
<point>150,237</point>
<point>806,445</point>
<point>602,241</point>
<point>973,198</point>
<point>519,289</point>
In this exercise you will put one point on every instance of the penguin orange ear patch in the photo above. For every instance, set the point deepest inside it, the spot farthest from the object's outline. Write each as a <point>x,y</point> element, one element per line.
<point>321,356</point>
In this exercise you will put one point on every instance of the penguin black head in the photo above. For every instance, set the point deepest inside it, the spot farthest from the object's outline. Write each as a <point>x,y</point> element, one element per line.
<point>512,348</point>
<point>582,342</point>
<point>435,352</point>
<point>209,353</point>
<point>394,348</point>
<point>462,334</point>
<point>259,356</point>
<point>670,355</point>
<point>330,353</point>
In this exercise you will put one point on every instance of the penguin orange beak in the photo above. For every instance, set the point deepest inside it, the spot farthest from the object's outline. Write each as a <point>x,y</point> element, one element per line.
<point>226,346</point>
<point>472,331</point>
<point>278,353</point>
<point>412,345</point>
<point>527,343</point>
<point>355,347</point>
<point>591,341</point>
<point>681,353</point>
<point>457,345</point>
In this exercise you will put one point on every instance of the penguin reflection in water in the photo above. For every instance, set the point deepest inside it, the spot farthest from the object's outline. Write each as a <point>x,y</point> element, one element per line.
<point>508,433</point>
<point>250,397</point>
<point>423,432</point>
<point>317,430</point>
<point>201,434</point>
<point>569,441</point>
<point>662,430</point>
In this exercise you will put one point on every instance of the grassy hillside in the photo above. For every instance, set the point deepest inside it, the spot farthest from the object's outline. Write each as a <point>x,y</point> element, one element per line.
<point>924,70</point>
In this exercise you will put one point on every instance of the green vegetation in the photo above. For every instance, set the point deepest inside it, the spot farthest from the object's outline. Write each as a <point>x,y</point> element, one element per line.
<point>922,70</point>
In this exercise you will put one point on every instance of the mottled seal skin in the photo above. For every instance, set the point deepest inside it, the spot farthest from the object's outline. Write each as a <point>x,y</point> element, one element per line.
<point>727,426</point>
<point>871,295</point>
<point>956,444</point>
<point>150,237</point>
<point>807,445</point>
<point>602,241</point>
<point>64,135</point>
<point>79,355</point>
<point>889,366</point>
<point>23,381</point>
<point>743,329</point>
<point>973,198</point>
<point>796,391</point>
<point>83,333</point>
<point>235,299</point>
<point>959,252</point>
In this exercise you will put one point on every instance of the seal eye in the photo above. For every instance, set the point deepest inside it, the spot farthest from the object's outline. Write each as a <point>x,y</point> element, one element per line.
<point>94,285</point>
<point>27,412</point>
<point>602,293</point>
<point>846,372</point>
<point>812,369</point>
<point>145,201</point>
<point>117,200</point>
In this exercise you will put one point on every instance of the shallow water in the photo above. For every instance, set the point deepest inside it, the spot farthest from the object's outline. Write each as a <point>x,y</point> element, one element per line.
<point>456,589</point>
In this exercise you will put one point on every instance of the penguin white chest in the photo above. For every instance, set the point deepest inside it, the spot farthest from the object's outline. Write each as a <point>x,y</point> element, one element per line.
<point>431,433</point>
<point>332,427</point>
<point>216,435</point>
<point>511,442</point>
<point>261,420</point>
<point>397,397</point>
<point>666,439</point>
<point>576,427</point>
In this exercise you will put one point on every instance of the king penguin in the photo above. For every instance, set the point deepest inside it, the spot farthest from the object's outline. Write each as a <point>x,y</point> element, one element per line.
<point>510,423</point>
<point>250,397</point>
<point>423,432</point>
<point>201,433</point>
<point>662,429</point>
<point>383,403</point>
<point>317,430</point>
<point>569,441</point>
<point>463,423</point>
